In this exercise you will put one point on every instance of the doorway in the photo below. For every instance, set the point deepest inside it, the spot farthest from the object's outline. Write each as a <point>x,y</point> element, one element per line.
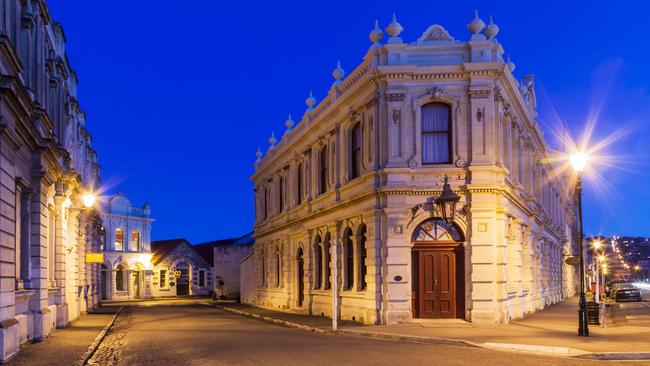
<point>301,277</point>
<point>437,271</point>
<point>104,282</point>
<point>183,281</point>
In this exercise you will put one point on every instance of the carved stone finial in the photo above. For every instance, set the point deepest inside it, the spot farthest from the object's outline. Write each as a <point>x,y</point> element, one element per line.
<point>376,35</point>
<point>338,73</point>
<point>510,64</point>
<point>289,122</point>
<point>259,154</point>
<point>394,29</point>
<point>476,26</point>
<point>491,30</point>
<point>272,141</point>
<point>310,101</point>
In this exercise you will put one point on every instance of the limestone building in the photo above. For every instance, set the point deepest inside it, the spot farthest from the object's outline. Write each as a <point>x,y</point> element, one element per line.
<point>356,168</point>
<point>179,269</point>
<point>47,163</point>
<point>227,255</point>
<point>127,268</point>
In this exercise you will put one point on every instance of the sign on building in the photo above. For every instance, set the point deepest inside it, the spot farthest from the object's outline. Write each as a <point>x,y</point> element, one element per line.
<point>94,257</point>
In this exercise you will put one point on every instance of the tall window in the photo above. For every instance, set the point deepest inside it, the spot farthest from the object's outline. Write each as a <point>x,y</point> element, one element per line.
<point>163,278</point>
<point>265,202</point>
<point>361,243</point>
<point>51,247</point>
<point>281,194</point>
<point>436,133</point>
<point>323,171</point>
<point>318,263</point>
<point>201,278</point>
<point>355,151</point>
<point>119,278</point>
<point>348,252</point>
<point>135,241</point>
<point>299,184</point>
<point>119,239</point>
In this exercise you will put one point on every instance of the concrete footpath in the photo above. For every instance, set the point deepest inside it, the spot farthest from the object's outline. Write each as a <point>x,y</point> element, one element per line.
<point>550,331</point>
<point>66,346</point>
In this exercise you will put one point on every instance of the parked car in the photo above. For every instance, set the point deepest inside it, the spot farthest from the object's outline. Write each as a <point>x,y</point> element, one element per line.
<point>610,288</point>
<point>627,291</point>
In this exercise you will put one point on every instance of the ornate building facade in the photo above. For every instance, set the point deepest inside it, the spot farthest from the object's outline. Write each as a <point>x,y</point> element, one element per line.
<point>127,269</point>
<point>46,164</point>
<point>358,167</point>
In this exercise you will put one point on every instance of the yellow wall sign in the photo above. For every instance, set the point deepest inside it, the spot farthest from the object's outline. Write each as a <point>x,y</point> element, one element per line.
<point>94,257</point>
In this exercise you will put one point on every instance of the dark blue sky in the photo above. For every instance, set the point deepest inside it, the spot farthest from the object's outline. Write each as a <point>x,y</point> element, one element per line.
<point>180,94</point>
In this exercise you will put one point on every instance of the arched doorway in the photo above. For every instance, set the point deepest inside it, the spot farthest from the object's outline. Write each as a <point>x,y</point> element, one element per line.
<point>438,273</point>
<point>137,281</point>
<point>183,281</point>
<point>300,263</point>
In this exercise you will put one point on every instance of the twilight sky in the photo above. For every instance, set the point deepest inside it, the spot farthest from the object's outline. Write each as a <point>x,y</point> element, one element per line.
<point>180,94</point>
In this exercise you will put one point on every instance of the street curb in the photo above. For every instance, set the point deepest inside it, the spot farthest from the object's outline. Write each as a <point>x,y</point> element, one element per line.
<point>268,319</point>
<point>526,348</point>
<point>98,340</point>
<point>409,338</point>
<point>615,356</point>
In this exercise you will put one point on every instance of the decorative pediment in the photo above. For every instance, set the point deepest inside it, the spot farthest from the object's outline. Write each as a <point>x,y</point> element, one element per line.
<point>435,33</point>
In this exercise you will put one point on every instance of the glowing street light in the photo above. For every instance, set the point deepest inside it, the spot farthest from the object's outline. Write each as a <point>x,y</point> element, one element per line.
<point>601,258</point>
<point>579,162</point>
<point>88,200</point>
<point>597,244</point>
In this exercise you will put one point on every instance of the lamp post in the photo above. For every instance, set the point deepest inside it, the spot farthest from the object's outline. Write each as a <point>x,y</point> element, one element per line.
<point>579,161</point>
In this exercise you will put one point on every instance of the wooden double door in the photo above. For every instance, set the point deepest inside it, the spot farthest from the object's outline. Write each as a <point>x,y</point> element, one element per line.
<point>438,282</point>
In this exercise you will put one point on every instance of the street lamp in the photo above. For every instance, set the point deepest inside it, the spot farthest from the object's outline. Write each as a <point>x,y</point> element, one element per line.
<point>88,200</point>
<point>446,202</point>
<point>579,162</point>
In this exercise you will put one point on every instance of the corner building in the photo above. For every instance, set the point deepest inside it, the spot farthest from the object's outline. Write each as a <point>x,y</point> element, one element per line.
<point>47,163</point>
<point>356,166</point>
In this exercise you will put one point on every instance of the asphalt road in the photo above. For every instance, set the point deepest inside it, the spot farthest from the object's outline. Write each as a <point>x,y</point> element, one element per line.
<point>195,334</point>
<point>633,313</point>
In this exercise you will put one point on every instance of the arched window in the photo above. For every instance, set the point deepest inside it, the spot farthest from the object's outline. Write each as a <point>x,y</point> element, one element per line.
<point>278,267</point>
<point>355,151</point>
<point>361,243</point>
<point>318,263</point>
<point>436,229</point>
<point>322,187</point>
<point>119,239</point>
<point>119,278</point>
<point>135,241</point>
<point>299,184</point>
<point>327,260</point>
<point>348,253</point>
<point>436,133</point>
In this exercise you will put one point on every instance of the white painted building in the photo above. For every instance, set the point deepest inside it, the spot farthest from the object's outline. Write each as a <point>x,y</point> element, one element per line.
<point>127,268</point>
<point>47,163</point>
<point>357,165</point>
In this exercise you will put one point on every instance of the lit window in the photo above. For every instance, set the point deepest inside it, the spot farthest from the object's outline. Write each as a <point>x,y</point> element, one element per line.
<point>135,241</point>
<point>119,239</point>
<point>163,278</point>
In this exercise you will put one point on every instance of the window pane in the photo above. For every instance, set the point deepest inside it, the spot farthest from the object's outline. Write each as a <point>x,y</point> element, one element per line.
<point>435,117</point>
<point>435,147</point>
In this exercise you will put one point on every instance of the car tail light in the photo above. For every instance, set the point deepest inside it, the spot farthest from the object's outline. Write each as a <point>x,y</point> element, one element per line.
<point>620,292</point>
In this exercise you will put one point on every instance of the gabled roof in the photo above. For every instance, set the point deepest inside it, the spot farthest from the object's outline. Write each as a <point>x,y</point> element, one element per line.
<point>160,248</point>
<point>206,250</point>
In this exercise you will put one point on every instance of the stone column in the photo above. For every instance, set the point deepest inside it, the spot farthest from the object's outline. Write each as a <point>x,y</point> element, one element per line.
<point>38,304</point>
<point>60,259</point>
